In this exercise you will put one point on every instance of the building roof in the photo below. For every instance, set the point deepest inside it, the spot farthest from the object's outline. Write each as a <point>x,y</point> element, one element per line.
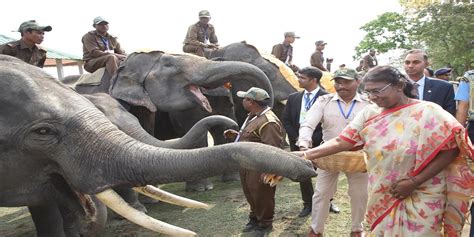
<point>52,55</point>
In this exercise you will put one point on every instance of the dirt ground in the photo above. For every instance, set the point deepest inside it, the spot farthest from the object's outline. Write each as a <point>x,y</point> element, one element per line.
<point>227,216</point>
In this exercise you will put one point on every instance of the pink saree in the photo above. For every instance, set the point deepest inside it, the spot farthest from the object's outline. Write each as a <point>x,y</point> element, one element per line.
<point>401,142</point>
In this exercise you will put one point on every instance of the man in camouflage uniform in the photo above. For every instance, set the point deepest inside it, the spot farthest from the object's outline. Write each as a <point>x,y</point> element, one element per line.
<point>27,48</point>
<point>284,51</point>
<point>317,58</point>
<point>262,126</point>
<point>201,36</point>
<point>101,49</point>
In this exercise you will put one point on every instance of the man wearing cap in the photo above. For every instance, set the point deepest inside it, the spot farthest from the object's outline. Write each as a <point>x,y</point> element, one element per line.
<point>201,36</point>
<point>27,48</point>
<point>284,51</point>
<point>443,73</point>
<point>370,60</point>
<point>317,58</point>
<point>262,126</point>
<point>428,89</point>
<point>335,112</point>
<point>465,115</point>
<point>101,49</point>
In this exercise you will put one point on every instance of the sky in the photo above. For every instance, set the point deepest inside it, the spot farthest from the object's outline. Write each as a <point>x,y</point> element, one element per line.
<point>162,25</point>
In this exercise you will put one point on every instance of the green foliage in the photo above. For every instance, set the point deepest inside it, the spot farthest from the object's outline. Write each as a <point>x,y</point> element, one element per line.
<point>443,30</point>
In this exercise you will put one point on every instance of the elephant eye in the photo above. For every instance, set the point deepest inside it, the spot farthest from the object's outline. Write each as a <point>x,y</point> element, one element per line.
<point>43,131</point>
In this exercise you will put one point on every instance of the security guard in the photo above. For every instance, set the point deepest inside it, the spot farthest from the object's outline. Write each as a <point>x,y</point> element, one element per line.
<point>27,48</point>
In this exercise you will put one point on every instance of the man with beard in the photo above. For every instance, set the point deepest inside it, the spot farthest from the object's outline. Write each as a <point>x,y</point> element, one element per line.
<point>334,112</point>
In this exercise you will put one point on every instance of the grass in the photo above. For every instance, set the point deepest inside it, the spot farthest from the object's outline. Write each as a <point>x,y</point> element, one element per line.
<point>227,216</point>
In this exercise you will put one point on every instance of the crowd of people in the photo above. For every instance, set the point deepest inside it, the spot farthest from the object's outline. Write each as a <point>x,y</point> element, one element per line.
<point>411,126</point>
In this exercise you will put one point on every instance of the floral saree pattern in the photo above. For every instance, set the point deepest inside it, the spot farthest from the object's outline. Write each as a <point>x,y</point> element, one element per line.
<point>401,142</point>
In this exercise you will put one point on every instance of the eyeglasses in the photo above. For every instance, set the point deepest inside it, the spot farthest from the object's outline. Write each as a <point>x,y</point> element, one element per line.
<point>379,91</point>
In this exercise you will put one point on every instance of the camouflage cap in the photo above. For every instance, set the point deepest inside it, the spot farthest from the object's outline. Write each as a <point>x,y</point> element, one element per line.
<point>346,73</point>
<point>254,93</point>
<point>204,13</point>
<point>99,20</point>
<point>291,34</point>
<point>33,25</point>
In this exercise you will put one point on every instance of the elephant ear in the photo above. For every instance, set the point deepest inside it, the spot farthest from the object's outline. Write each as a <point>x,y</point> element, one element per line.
<point>128,83</point>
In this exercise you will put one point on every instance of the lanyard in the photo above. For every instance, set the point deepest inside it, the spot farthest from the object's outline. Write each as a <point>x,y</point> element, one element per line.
<point>350,109</point>
<point>308,103</point>
<point>249,121</point>
<point>106,42</point>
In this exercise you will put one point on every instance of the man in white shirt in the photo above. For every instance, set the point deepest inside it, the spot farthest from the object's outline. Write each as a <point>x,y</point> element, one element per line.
<point>334,112</point>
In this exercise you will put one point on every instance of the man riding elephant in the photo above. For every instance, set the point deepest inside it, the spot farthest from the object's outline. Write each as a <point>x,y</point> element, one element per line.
<point>201,36</point>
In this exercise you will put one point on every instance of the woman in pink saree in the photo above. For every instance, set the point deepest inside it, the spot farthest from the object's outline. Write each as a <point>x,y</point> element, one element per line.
<point>420,182</point>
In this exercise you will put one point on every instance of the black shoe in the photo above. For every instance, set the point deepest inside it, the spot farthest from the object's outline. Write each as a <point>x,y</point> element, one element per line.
<point>261,231</point>
<point>305,211</point>
<point>252,225</point>
<point>334,209</point>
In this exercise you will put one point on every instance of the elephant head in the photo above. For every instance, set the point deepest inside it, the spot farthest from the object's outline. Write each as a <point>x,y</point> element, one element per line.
<point>48,130</point>
<point>170,82</point>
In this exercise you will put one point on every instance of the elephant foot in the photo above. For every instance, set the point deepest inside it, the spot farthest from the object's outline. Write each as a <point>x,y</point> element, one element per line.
<point>230,177</point>
<point>199,185</point>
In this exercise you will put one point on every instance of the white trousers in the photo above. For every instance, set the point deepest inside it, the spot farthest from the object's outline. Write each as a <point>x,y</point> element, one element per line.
<point>325,188</point>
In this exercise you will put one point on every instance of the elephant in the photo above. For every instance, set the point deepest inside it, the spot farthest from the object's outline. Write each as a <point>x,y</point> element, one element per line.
<point>129,124</point>
<point>60,155</point>
<point>144,79</point>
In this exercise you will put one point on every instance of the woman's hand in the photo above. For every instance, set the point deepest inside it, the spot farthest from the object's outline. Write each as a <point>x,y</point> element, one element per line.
<point>403,188</point>
<point>301,154</point>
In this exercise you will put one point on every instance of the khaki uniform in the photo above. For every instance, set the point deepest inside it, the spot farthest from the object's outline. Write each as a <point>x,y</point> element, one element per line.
<point>96,55</point>
<point>33,55</point>
<point>317,60</point>
<point>283,52</point>
<point>267,129</point>
<point>196,38</point>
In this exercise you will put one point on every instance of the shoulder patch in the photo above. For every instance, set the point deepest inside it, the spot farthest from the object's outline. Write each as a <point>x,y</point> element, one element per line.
<point>326,97</point>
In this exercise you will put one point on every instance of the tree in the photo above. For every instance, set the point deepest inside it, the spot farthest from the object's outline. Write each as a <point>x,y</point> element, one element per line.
<point>443,30</point>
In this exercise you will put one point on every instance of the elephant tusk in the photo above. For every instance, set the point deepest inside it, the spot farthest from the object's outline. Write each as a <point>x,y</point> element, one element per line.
<point>112,200</point>
<point>156,193</point>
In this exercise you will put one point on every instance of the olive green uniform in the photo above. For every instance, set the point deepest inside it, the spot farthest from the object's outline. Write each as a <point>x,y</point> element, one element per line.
<point>98,54</point>
<point>265,128</point>
<point>33,55</point>
<point>196,37</point>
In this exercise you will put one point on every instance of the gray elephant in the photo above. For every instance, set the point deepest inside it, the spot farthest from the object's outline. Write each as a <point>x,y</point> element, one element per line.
<point>224,102</point>
<point>143,81</point>
<point>59,153</point>
<point>129,124</point>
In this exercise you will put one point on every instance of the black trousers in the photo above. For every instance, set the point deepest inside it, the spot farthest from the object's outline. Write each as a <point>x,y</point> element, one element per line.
<point>306,187</point>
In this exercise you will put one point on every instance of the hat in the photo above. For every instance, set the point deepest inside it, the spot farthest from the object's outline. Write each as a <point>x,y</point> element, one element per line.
<point>291,34</point>
<point>320,42</point>
<point>27,25</point>
<point>469,75</point>
<point>254,93</point>
<point>346,73</point>
<point>442,71</point>
<point>99,20</point>
<point>204,13</point>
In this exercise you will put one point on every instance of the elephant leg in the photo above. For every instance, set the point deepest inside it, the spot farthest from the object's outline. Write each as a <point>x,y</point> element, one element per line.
<point>48,220</point>
<point>199,185</point>
<point>131,197</point>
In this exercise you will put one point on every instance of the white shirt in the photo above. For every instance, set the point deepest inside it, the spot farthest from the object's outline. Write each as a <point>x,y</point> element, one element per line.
<point>303,102</point>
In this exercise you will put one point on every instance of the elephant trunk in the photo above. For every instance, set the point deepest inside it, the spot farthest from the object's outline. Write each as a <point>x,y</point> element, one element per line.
<point>105,157</point>
<point>192,139</point>
<point>241,75</point>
